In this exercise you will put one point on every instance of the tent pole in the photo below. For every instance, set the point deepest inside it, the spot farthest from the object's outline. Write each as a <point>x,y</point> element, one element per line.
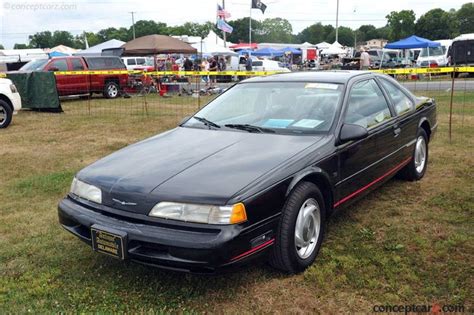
<point>223,33</point>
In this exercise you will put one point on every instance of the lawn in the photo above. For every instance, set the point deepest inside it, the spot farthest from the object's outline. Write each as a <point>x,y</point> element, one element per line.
<point>406,243</point>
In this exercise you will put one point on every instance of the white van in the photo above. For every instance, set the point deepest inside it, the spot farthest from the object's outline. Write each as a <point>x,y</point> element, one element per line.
<point>136,63</point>
<point>435,55</point>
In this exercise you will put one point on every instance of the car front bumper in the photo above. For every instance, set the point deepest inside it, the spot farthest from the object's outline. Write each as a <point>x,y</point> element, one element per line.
<point>195,248</point>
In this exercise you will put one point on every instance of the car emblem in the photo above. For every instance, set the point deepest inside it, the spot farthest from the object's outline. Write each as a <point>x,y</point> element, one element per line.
<point>124,203</point>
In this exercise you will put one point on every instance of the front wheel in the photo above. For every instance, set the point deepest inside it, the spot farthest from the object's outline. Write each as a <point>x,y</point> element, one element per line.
<point>301,229</point>
<point>111,90</point>
<point>415,170</point>
<point>6,114</point>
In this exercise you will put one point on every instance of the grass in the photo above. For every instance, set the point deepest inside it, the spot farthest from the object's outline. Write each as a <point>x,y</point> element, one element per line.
<point>408,242</point>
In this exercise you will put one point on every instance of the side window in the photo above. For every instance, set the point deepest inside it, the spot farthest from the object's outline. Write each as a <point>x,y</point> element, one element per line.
<point>77,65</point>
<point>401,102</point>
<point>131,62</point>
<point>140,61</point>
<point>367,105</point>
<point>60,64</point>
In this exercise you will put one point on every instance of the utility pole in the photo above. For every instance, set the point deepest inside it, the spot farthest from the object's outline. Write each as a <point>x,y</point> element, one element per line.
<point>337,21</point>
<point>133,22</point>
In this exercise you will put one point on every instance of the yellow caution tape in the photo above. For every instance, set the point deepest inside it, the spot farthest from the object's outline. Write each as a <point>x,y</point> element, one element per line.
<point>425,70</point>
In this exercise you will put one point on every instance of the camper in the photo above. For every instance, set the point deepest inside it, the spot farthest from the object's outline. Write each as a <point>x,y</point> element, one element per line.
<point>462,51</point>
<point>435,56</point>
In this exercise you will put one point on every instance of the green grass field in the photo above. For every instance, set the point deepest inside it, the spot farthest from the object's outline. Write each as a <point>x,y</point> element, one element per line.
<point>406,243</point>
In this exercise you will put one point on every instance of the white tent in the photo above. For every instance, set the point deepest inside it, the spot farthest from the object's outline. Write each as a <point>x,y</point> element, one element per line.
<point>213,49</point>
<point>333,50</point>
<point>307,44</point>
<point>97,49</point>
<point>323,45</point>
<point>213,38</point>
<point>336,44</point>
<point>62,49</point>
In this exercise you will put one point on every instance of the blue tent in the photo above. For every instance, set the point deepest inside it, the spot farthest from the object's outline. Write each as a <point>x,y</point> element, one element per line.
<point>246,51</point>
<point>412,42</point>
<point>267,52</point>
<point>57,54</point>
<point>292,50</point>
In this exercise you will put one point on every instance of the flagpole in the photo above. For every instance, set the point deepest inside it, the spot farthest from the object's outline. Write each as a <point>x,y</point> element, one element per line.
<point>223,33</point>
<point>250,26</point>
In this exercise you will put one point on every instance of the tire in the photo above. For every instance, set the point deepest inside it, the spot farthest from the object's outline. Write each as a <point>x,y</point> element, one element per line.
<point>6,114</point>
<point>111,90</point>
<point>293,254</point>
<point>416,169</point>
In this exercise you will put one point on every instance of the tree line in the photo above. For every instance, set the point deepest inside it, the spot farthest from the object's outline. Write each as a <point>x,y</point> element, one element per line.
<point>434,24</point>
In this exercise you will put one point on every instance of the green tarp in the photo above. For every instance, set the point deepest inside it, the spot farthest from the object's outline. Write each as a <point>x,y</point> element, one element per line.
<point>37,90</point>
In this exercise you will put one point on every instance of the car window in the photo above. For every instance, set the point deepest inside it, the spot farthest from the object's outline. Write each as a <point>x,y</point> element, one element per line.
<point>401,101</point>
<point>60,64</point>
<point>77,65</point>
<point>141,61</point>
<point>131,62</point>
<point>289,107</point>
<point>257,63</point>
<point>367,105</point>
<point>104,63</point>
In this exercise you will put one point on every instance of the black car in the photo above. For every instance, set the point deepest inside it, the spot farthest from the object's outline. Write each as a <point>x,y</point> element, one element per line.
<point>255,173</point>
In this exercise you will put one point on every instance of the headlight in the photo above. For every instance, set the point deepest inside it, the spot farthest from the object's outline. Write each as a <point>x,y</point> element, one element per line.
<point>200,213</point>
<point>13,88</point>
<point>86,191</point>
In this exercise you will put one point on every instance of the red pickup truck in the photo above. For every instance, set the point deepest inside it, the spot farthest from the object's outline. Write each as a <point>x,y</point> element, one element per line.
<point>110,85</point>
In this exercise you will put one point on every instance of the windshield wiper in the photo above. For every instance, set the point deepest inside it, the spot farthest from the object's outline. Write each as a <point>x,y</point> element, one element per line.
<point>250,128</point>
<point>207,122</point>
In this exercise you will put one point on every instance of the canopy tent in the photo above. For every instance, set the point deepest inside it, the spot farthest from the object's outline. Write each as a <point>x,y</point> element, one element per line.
<point>323,45</point>
<point>333,50</point>
<point>66,50</point>
<point>244,46</point>
<point>268,52</point>
<point>412,42</point>
<point>246,51</point>
<point>157,44</point>
<point>213,38</point>
<point>57,54</point>
<point>336,44</point>
<point>291,50</point>
<point>307,44</point>
<point>409,43</point>
<point>97,49</point>
<point>207,48</point>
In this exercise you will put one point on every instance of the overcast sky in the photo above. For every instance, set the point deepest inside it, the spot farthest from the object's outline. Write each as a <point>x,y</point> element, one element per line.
<point>19,18</point>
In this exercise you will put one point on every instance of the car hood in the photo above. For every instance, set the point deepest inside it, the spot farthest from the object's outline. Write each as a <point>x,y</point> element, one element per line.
<point>189,165</point>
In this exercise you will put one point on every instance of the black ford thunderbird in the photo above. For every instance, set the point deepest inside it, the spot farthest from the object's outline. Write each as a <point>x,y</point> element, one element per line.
<point>255,173</point>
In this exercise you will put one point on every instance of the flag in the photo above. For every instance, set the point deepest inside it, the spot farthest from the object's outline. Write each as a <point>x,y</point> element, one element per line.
<point>222,13</point>
<point>223,26</point>
<point>257,4</point>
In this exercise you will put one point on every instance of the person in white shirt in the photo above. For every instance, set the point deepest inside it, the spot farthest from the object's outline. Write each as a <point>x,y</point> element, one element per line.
<point>364,60</point>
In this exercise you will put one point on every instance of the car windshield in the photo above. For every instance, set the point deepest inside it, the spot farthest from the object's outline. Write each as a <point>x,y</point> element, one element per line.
<point>277,107</point>
<point>34,65</point>
<point>433,51</point>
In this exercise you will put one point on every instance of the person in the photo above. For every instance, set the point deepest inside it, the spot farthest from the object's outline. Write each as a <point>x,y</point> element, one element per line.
<point>205,67</point>
<point>248,62</point>
<point>188,64</point>
<point>364,60</point>
<point>221,65</point>
<point>212,68</point>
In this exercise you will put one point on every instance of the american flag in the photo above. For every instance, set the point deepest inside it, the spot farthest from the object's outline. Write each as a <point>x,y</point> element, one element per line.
<point>222,13</point>
<point>223,26</point>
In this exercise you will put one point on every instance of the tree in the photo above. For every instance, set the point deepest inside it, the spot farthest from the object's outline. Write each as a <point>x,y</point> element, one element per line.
<point>345,36</point>
<point>122,34</point>
<point>436,24</point>
<point>62,38</point>
<point>1,46</point>
<point>465,18</point>
<point>41,40</point>
<point>275,30</point>
<point>20,46</point>
<point>241,30</point>
<point>402,24</point>
<point>366,32</point>
<point>144,27</point>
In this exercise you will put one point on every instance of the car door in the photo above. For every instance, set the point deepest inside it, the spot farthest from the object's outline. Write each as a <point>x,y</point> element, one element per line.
<point>360,166</point>
<point>405,128</point>
<point>79,83</point>
<point>62,81</point>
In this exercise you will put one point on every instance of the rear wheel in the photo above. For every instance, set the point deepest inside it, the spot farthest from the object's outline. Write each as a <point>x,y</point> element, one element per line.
<point>415,170</point>
<point>6,114</point>
<point>301,229</point>
<point>111,90</point>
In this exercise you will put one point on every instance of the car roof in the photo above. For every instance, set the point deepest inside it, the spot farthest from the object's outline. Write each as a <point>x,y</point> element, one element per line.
<point>334,76</point>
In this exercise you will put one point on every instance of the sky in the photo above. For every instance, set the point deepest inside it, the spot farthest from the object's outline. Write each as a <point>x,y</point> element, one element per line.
<point>20,18</point>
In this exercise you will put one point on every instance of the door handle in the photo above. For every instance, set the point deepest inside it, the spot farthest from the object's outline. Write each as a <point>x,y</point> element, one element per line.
<point>396,131</point>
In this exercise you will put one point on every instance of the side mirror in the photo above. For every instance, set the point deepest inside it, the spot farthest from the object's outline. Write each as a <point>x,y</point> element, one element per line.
<point>185,119</point>
<point>351,132</point>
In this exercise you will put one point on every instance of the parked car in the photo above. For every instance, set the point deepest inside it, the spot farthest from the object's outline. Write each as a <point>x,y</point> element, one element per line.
<point>268,65</point>
<point>255,173</point>
<point>110,85</point>
<point>10,102</point>
<point>462,51</point>
<point>138,63</point>
<point>434,56</point>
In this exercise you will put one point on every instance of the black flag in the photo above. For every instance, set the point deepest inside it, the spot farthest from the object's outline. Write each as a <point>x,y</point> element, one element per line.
<point>257,4</point>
